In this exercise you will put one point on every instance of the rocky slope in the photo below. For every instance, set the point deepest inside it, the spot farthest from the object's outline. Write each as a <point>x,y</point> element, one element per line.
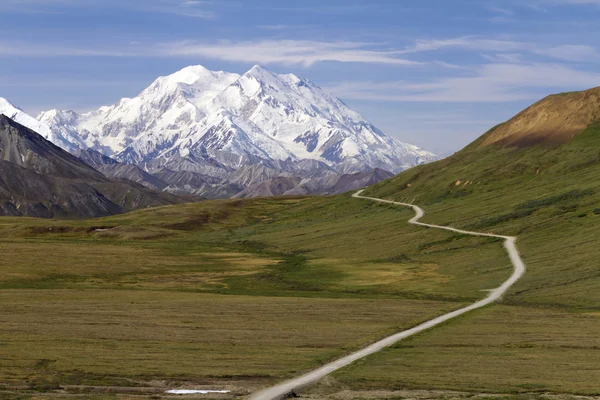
<point>19,116</point>
<point>39,179</point>
<point>332,183</point>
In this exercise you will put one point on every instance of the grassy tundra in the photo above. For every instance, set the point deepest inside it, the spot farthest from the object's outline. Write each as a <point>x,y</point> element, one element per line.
<point>245,293</point>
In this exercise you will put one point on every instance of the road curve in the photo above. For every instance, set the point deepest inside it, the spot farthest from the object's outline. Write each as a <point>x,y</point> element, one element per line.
<point>282,390</point>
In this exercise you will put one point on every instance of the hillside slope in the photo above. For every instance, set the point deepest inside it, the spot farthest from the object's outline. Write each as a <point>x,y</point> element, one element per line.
<point>537,177</point>
<point>555,140</point>
<point>38,179</point>
<point>555,119</point>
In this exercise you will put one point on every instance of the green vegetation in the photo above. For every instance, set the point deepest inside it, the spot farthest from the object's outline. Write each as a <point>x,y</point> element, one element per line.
<point>128,338</point>
<point>543,340</point>
<point>241,293</point>
<point>502,349</point>
<point>335,247</point>
<point>255,291</point>
<point>543,196</point>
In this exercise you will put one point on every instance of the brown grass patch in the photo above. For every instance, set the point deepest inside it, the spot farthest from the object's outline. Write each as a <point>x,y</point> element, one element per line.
<point>555,120</point>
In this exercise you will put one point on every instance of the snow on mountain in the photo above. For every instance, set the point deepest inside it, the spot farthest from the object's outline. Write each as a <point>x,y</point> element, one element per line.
<point>139,128</point>
<point>255,118</point>
<point>19,116</point>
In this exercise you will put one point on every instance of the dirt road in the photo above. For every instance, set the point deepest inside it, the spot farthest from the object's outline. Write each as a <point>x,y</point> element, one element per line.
<point>282,390</point>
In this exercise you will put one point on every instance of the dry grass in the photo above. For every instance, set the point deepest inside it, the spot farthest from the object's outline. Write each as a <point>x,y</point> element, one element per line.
<point>385,273</point>
<point>555,119</point>
<point>85,264</point>
<point>119,337</point>
<point>134,308</point>
<point>500,349</point>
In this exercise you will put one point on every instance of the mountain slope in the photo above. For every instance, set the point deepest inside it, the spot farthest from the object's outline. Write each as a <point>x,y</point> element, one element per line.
<point>38,179</point>
<point>29,150</point>
<point>545,191</point>
<point>536,176</point>
<point>41,180</point>
<point>269,188</point>
<point>555,119</point>
<point>51,134</point>
<point>235,120</point>
<point>548,141</point>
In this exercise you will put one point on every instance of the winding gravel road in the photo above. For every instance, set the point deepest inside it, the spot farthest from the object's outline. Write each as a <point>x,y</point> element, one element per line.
<point>282,390</point>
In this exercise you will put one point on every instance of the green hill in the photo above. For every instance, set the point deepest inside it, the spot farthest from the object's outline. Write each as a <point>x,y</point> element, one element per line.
<point>546,191</point>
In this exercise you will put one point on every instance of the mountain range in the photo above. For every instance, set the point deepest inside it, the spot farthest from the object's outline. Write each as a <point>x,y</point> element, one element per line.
<point>216,133</point>
<point>39,179</point>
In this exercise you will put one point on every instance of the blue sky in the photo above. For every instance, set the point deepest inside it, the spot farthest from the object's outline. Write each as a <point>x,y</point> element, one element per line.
<point>436,73</point>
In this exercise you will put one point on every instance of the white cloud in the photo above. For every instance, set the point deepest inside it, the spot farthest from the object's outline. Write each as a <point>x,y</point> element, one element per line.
<point>575,1</point>
<point>187,8</point>
<point>287,52</point>
<point>469,43</point>
<point>508,49</point>
<point>514,58</point>
<point>27,49</point>
<point>500,10</point>
<point>490,83</point>
<point>196,9</point>
<point>574,53</point>
<point>284,52</point>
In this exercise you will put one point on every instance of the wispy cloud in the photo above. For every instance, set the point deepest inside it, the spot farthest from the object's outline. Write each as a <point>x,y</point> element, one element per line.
<point>28,49</point>
<point>186,8</point>
<point>466,42</point>
<point>597,2</point>
<point>514,58</point>
<point>37,6</point>
<point>508,50</point>
<point>288,52</point>
<point>499,10</point>
<point>489,83</point>
<point>545,5</point>
<point>52,82</point>
<point>309,52</point>
<point>189,8</point>
<point>276,27</point>
<point>577,53</point>
<point>283,52</point>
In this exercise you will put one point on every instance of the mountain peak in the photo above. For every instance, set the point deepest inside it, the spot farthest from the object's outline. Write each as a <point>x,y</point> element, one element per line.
<point>19,116</point>
<point>258,68</point>
<point>33,152</point>
<point>195,73</point>
<point>5,104</point>
<point>259,72</point>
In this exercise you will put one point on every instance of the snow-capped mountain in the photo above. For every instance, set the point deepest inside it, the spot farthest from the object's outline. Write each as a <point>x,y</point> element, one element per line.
<point>226,119</point>
<point>16,114</point>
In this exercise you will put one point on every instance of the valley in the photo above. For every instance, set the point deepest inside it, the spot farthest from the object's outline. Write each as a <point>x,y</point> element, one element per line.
<point>308,245</point>
<point>188,272</point>
<point>297,384</point>
<point>120,279</point>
